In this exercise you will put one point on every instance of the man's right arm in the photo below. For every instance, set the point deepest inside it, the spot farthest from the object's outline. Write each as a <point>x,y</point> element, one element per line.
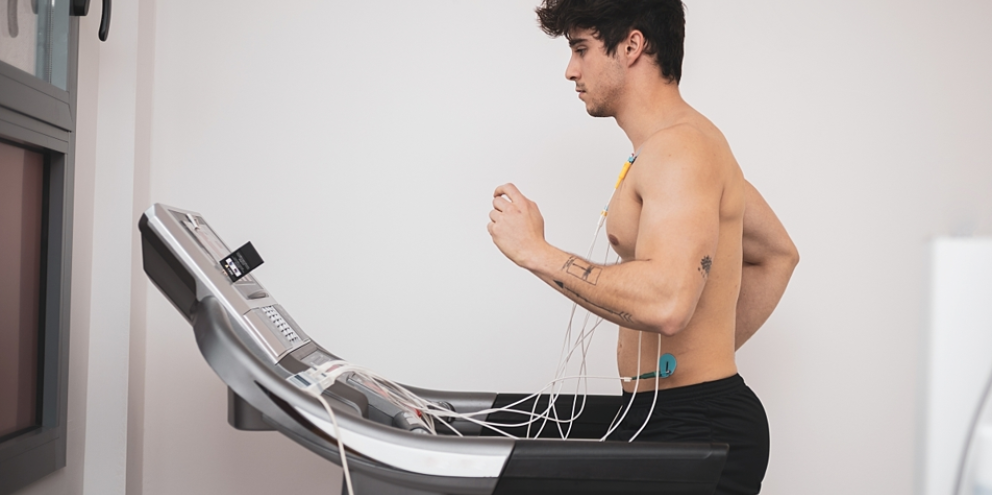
<point>769,259</point>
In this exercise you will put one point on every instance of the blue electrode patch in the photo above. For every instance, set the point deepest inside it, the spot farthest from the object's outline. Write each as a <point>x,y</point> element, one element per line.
<point>666,365</point>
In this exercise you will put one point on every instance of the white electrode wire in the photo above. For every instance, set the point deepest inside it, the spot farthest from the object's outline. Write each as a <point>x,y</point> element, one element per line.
<point>582,366</point>
<point>508,408</point>
<point>579,384</point>
<point>553,403</point>
<point>484,424</point>
<point>399,395</point>
<point>404,398</point>
<point>585,336</point>
<point>558,368</point>
<point>337,435</point>
<point>430,412</point>
<point>563,361</point>
<point>657,375</point>
<point>617,415</point>
<point>553,397</point>
<point>585,343</point>
<point>581,343</point>
<point>584,340</point>
<point>637,381</point>
<point>452,428</point>
<point>440,411</point>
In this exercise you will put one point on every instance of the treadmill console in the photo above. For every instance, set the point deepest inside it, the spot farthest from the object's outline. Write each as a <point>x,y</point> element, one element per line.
<point>275,336</point>
<point>271,327</point>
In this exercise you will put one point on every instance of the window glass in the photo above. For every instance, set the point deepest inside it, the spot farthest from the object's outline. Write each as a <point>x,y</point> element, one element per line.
<point>34,37</point>
<point>21,216</point>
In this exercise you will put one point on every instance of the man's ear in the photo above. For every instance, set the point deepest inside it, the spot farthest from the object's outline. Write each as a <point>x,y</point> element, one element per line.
<point>633,46</point>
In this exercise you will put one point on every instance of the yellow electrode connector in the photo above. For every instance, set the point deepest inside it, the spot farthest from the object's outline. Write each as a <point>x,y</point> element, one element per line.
<point>623,171</point>
<point>623,174</point>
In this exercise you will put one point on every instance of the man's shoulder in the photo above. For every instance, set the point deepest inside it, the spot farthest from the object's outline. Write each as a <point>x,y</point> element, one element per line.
<point>682,148</point>
<point>685,138</point>
<point>688,158</point>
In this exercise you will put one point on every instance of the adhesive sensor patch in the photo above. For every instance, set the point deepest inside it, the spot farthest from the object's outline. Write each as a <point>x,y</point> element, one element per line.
<point>666,365</point>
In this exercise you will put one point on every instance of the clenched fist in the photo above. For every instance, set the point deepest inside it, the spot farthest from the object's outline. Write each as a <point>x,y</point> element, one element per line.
<point>517,226</point>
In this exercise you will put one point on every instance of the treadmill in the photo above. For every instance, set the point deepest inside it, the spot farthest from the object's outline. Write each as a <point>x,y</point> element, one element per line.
<point>256,348</point>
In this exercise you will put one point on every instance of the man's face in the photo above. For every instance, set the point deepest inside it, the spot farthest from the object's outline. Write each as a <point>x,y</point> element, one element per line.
<point>598,77</point>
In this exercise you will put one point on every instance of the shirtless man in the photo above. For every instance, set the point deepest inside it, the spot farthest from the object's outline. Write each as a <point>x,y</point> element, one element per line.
<point>704,259</point>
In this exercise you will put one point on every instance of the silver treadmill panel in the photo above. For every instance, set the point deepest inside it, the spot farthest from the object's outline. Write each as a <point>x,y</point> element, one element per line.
<point>269,325</point>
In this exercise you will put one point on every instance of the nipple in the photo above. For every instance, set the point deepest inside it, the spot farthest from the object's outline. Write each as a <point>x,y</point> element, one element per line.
<point>613,239</point>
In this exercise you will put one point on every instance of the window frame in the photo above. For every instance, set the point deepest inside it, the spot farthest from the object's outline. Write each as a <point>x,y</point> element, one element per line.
<point>42,117</point>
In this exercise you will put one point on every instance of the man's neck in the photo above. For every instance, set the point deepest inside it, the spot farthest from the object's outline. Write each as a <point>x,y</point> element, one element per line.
<point>648,108</point>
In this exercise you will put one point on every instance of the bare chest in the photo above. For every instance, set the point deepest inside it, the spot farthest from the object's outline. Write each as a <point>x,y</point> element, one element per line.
<point>622,221</point>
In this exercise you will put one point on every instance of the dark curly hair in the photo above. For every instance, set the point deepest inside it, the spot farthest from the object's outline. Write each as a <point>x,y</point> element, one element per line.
<point>661,21</point>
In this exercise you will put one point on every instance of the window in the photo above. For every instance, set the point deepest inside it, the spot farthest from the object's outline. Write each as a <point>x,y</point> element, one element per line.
<point>37,103</point>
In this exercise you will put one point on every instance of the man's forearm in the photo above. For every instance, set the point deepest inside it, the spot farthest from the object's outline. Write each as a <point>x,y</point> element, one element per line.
<point>762,287</point>
<point>769,258</point>
<point>618,293</point>
<point>602,309</point>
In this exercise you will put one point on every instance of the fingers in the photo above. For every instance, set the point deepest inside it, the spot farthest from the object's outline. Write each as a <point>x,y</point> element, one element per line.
<point>507,198</point>
<point>500,203</point>
<point>510,191</point>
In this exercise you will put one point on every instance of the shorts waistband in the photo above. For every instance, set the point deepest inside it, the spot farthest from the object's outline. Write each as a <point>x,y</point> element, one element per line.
<point>698,391</point>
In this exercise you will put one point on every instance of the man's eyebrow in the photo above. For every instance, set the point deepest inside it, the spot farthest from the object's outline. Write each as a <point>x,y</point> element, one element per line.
<point>576,41</point>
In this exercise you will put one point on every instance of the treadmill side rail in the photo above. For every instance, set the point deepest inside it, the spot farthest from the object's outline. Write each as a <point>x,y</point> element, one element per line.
<point>556,466</point>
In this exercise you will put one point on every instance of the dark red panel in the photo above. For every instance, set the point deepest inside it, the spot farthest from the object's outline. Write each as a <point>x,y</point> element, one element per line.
<point>21,194</point>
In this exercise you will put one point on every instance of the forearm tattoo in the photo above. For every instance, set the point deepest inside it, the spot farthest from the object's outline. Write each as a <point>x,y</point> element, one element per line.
<point>582,270</point>
<point>623,315</point>
<point>704,266</point>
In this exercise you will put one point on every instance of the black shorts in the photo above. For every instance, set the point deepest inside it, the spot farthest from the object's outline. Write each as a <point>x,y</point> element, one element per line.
<point>723,411</point>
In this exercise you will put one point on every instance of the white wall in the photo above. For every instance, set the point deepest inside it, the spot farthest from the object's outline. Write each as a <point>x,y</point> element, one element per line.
<point>370,135</point>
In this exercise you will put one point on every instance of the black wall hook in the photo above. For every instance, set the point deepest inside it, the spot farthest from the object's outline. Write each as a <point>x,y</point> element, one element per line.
<point>81,7</point>
<point>12,25</point>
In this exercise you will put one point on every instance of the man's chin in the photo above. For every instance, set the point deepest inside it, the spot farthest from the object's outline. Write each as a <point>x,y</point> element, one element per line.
<point>597,112</point>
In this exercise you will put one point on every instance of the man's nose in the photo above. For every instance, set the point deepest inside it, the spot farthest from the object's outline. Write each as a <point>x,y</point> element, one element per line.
<point>572,71</point>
